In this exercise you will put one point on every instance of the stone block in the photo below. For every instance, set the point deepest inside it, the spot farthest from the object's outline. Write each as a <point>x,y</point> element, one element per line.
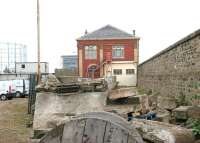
<point>194,112</point>
<point>153,101</point>
<point>142,101</point>
<point>163,115</point>
<point>181,112</point>
<point>168,103</point>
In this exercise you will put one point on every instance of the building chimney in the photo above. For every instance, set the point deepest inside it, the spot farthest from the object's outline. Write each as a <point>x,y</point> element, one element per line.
<point>133,32</point>
<point>86,31</point>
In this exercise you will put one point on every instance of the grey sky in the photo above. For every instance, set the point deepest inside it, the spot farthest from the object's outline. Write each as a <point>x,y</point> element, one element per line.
<point>159,23</point>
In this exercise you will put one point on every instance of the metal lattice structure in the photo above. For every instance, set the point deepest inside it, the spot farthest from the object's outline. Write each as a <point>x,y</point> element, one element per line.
<point>10,53</point>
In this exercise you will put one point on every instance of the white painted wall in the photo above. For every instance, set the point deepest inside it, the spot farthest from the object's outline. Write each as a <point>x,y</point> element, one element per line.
<point>32,67</point>
<point>124,79</point>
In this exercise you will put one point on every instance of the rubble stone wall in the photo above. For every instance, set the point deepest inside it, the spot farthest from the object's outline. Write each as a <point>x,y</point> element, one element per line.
<point>175,71</point>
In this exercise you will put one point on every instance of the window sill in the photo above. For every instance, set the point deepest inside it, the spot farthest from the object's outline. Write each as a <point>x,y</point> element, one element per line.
<point>117,57</point>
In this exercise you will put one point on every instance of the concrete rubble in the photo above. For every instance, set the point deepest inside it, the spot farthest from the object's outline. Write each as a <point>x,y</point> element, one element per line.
<point>159,132</point>
<point>127,97</point>
<point>48,84</point>
<point>121,93</point>
<point>53,109</point>
<point>163,115</point>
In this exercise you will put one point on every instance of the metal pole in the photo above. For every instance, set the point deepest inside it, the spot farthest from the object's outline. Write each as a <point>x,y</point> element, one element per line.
<point>38,40</point>
<point>8,57</point>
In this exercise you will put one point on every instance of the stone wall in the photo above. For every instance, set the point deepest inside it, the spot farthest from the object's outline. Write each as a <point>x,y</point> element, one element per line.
<point>174,72</point>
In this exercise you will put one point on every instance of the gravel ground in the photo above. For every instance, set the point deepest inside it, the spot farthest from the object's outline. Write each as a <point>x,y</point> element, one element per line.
<point>13,121</point>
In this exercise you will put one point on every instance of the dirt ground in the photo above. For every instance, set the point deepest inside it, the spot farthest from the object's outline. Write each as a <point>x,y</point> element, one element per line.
<point>13,121</point>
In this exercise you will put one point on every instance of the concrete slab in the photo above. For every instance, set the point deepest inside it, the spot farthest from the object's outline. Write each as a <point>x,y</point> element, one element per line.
<point>50,107</point>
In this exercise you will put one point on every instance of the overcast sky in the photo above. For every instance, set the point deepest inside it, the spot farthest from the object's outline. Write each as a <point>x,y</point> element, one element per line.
<point>159,23</point>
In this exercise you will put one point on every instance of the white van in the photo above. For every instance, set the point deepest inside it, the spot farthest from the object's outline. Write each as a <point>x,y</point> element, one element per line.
<point>16,88</point>
<point>21,87</point>
<point>7,90</point>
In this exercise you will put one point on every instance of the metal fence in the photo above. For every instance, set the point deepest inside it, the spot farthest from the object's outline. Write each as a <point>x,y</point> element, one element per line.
<point>32,94</point>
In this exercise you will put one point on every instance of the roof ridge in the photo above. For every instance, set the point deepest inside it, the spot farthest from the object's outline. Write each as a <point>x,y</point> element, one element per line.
<point>119,29</point>
<point>106,32</point>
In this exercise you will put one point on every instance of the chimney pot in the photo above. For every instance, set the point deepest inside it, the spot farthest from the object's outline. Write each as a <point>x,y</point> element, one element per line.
<point>86,31</point>
<point>133,32</point>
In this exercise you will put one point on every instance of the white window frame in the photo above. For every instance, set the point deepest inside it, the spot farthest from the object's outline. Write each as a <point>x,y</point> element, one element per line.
<point>117,73</point>
<point>116,49</point>
<point>91,52</point>
<point>130,71</point>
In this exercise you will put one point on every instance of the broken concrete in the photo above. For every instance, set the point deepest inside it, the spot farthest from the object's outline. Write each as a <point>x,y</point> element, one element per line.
<point>153,101</point>
<point>49,83</point>
<point>51,107</point>
<point>98,84</point>
<point>158,132</point>
<point>68,79</point>
<point>144,102</point>
<point>163,115</point>
<point>121,110</point>
<point>121,93</point>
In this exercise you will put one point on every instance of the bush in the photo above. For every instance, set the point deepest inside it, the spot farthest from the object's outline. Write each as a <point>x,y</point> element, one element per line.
<point>194,124</point>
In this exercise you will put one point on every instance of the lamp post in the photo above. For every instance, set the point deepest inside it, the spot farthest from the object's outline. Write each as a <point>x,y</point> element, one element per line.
<point>38,42</point>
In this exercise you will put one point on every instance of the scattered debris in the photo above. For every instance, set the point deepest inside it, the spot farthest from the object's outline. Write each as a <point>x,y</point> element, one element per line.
<point>48,84</point>
<point>52,84</point>
<point>67,88</point>
<point>99,84</point>
<point>158,132</point>
<point>121,93</point>
<point>163,115</point>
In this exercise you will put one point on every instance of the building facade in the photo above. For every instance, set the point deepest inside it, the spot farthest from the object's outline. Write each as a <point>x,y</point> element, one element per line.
<point>10,53</point>
<point>109,51</point>
<point>69,62</point>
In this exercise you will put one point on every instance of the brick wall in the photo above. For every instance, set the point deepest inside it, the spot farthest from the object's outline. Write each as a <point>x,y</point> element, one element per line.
<point>174,72</point>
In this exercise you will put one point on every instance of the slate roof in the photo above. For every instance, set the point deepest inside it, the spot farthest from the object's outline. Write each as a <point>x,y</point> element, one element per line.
<point>107,32</point>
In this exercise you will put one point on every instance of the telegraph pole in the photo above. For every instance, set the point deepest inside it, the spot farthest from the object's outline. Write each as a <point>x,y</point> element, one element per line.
<point>38,41</point>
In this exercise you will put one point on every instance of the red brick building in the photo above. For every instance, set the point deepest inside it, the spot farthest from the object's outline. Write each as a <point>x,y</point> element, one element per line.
<point>109,51</point>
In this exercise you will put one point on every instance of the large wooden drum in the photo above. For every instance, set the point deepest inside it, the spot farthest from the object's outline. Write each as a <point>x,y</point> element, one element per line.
<point>94,127</point>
